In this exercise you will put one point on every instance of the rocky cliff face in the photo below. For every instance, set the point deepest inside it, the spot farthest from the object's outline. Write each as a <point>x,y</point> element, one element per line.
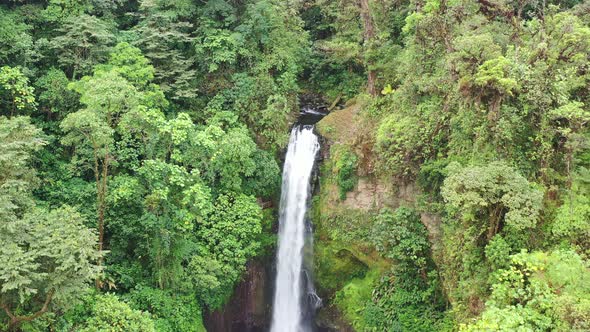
<point>346,267</point>
<point>372,193</point>
<point>249,308</point>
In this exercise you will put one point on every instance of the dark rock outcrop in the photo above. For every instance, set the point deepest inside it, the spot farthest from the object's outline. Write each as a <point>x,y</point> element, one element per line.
<point>249,308</point>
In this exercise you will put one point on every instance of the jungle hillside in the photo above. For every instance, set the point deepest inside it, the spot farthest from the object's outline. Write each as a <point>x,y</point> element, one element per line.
<point>142,143</point>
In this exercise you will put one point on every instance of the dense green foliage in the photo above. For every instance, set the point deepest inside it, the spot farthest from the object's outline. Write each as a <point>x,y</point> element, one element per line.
<point>346,163</point>
<point>110,314</point>
<point>47,256</point>
<point>538,291</point>
<point>409,298</point>
<point>139,138</point>
<point>160,125</point>
<point>484,106</point>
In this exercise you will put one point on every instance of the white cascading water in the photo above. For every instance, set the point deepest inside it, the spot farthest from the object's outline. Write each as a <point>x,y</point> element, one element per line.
<point>288,310</point>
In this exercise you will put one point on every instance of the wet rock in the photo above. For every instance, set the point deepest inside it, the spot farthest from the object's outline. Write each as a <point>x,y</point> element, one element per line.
<point>248,310</point>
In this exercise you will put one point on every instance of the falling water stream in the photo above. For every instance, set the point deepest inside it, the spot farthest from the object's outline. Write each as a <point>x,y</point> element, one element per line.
<point>294,296</point>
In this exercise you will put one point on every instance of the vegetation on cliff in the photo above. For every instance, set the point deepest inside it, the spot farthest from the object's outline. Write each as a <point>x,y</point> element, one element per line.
<point>479,132</point>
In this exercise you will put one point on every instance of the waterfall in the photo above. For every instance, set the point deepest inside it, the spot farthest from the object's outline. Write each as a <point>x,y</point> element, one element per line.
<point>290,307</point>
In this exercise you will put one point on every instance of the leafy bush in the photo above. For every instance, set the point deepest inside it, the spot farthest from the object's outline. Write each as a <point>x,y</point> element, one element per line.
<point>109,314</point>
<point>401,236</point>
<point>404,141</point>
<point>336,267</point>
<point>488,195</point>
<point>345,168</point>
<point>354,296</point>
<point>539,291</point>
<point>170,312</point>
<point>572,221</point>
<point>409,297</point>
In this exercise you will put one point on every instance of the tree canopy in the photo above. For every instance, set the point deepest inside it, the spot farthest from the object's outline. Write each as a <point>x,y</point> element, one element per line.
<point>141,144</point>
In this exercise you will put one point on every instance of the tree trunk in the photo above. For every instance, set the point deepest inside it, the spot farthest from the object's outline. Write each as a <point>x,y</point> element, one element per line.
<point>495,220</point>
<point>101,175</point>
<point>15,321</point>
<point>102,208</point>
<point>369,35</point>
<point>569,166</point>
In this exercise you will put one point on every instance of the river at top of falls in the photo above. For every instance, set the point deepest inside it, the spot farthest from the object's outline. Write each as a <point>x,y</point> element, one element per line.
<point>294,294</point>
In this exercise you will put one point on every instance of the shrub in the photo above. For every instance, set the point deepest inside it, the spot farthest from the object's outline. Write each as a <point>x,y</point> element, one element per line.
<point>345,167</point>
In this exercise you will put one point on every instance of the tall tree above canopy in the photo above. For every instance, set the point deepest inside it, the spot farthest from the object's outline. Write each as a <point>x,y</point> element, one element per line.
<point>107,97</point>
<point>16,43</point>
<point>166,40</point>
<point>495,193</point>
<point>129,62</point>
<point>84,42</point>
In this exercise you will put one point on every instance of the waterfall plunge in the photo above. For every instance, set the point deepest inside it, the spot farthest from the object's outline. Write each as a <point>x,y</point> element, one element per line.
<point>289,305</point>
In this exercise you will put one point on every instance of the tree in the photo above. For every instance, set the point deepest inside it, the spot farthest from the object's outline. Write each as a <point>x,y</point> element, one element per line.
<point>16,43</point>
<point>552,88</point>
<point>571,120</point>
<point>572,218</point>
<point>483,203</point>
<point>106,97</point>
<point>60,10</point>
<point>170,311</point>
<point>265,92</point>
<point>411,289</point>
<point>401,141</point>
<point>538,291</point>
<point>48,259</point>
<point>84,42</point>
<point>369,36</point>
<point>228,159</point>
<point>230,234</point>
<point>493,79</point>
<point>129,62</point>
<point>20,139</point>
<point>490,197</point>
<point>231,229</point>
<point>111,314</point>
<point>174,202</point>
<point>165,39</point>
<point>401,236</point>
<point>54,96</point>
<point>47,256</point>
<point>232,160</point>
<point>15,93</point>
<point>341,67</point>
